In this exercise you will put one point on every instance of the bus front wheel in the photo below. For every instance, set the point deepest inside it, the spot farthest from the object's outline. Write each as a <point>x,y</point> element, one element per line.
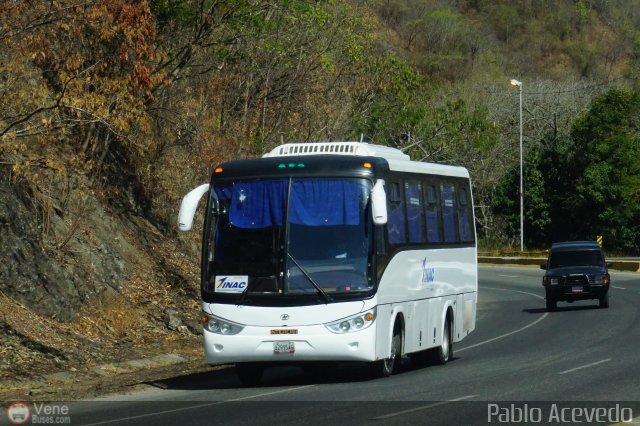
<point>386,367</point>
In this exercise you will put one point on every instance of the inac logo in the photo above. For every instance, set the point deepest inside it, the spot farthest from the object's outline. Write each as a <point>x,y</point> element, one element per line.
<point>428,274</point>
<point>231,283</point>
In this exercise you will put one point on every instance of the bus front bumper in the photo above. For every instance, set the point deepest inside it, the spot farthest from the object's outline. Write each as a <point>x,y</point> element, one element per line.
<point>308,343</point>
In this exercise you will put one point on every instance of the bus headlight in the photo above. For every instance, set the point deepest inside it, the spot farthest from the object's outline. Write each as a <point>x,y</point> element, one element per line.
<point>217,325</point>
<point>353,323</point>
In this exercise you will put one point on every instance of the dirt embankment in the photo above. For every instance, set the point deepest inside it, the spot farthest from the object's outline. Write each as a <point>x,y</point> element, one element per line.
<point>88,286</point>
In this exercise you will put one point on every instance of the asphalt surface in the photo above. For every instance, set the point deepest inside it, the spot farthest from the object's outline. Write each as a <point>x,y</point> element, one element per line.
<point>579,364</point>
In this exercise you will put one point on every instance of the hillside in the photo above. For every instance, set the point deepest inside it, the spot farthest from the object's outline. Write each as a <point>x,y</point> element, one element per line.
<point>111,110</point>
<point>115,290</point>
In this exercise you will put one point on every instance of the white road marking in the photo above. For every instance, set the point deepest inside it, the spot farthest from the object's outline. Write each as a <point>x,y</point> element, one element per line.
<point>269,393</point>
<point>620,288</point>
<point>546,314</point>
<point>585,366</point>
<point>208,404</point>
<point>508,276</point>
<point>515,291</point>
<point>424,407</point>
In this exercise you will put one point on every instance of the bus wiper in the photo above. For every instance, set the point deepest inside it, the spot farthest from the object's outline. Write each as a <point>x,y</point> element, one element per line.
<point>324,295</point>
<point>243,296</point>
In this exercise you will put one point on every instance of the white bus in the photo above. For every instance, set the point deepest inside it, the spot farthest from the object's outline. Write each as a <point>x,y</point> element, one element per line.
<point>335,251</point>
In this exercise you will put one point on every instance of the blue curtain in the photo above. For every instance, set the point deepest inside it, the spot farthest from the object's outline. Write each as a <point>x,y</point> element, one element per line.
<point>255,204</point>
<point>325,202</point>
<point>260,204</point>
<point>447,193</point>
<point>414,213</point>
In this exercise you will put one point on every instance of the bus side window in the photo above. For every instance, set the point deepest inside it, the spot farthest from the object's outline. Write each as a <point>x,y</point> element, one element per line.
<point>464,214</point>
<point>396,219</point>
<point>448,201</point>
<point>432,215</point>
<point>415,223</point>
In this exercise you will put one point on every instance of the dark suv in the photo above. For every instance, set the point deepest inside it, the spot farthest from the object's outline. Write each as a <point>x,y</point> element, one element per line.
<point>576,270</point>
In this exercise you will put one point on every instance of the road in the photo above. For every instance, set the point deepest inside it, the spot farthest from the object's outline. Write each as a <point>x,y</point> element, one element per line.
<point>520,360</point>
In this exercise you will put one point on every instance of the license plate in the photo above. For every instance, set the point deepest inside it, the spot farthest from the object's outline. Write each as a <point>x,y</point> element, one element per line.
<point>284,347</point>
<point>577,289</point>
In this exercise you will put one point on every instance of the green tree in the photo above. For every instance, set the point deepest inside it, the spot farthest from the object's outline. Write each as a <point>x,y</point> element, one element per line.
<point>607,143</point>
<point>394,103</point>
<point>583,184</point>
<point>557,166</point>
<point>506,201</point>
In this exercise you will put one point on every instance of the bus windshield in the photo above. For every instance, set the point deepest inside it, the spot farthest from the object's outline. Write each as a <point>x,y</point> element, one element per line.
<point>308,236</point>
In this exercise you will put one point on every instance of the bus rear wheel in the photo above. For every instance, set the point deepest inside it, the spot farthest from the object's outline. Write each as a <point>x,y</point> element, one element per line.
<point>443,353</point>
<point>249,373</point>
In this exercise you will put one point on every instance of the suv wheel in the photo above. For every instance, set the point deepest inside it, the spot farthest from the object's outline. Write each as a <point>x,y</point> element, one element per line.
<point>604,301</point>
<point>552,305</point>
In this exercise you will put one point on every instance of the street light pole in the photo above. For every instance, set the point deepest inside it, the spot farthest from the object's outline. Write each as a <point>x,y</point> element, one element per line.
<point>519,84</point>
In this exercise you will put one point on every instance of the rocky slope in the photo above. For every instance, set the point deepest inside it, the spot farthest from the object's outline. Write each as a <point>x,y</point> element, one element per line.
<point>88,285</point>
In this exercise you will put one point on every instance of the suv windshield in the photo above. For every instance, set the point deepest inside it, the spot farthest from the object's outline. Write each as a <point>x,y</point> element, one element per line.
<point>289,236</point>
<point>563,259</point>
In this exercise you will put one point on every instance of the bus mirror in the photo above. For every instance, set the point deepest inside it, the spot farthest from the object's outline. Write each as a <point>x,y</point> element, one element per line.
<point>189,206</point>
<point>379,203</point>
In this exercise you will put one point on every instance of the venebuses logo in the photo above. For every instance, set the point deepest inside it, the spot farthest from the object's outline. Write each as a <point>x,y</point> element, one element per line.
<point>18,413</point>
